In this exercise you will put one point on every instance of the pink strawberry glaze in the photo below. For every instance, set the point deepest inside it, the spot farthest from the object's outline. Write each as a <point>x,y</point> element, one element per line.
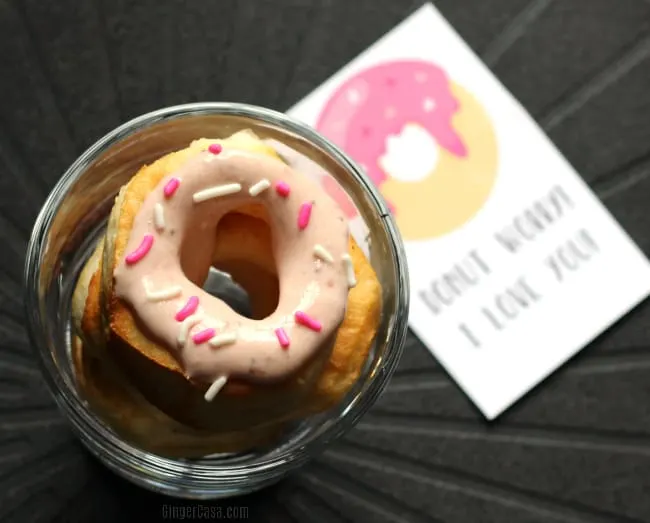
<point>380,101</point>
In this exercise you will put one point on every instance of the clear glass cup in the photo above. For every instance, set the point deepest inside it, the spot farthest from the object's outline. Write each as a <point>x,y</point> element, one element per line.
<point>74,216</point>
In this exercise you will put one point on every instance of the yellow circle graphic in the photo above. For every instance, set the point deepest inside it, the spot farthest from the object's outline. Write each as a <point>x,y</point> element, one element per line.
<point>458,187</point>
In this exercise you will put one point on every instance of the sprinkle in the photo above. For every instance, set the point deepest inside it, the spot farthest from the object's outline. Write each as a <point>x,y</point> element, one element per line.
<point>188,309</point>
<point>282,337</point>
<point>187,324</point>
<point>159,217</point>
<point>215,148</point>
<point>215,388</point>
<point>203,336</point>
<point>170,187</point>
<point>215,192</point>
<point>304,214</point>
<point>141,251</point>
<point>308,321</point>
<point>164,294</point>
<point>283,189</point>
<point>322,253</point>
<point>260,186</point>
<point>353,96</point>
<point>349,269</point>
<point>223,339</point>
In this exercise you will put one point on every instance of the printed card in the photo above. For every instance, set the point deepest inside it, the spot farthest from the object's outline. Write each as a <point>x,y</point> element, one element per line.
<point>510,254</point>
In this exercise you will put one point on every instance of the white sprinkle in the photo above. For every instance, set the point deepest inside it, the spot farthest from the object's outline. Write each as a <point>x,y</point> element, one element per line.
<point>349,268</point>
<point>215,388</point>
<point>159,217</point>
<point>322,253</point>
<point>429,105</point>
<point>186,325</point>
<point>223,339</point>
<point>354,97</point>
<point>164,294</point>
<point>260,186</point>
<point>215,192</point>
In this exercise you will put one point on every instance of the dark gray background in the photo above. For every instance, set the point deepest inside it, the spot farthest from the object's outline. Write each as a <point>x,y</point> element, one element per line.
<point>576,450</point>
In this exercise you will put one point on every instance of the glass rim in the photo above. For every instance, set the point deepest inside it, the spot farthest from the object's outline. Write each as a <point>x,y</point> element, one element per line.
<point>120,453</point>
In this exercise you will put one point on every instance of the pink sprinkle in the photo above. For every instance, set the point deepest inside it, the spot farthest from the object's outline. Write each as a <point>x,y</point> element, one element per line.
<point>141,251</point>
<point>171,186</point>
<point>283,189</point>
<point>215,148</point>
<point>304,214</point>
<point>282,337</point>
<point>308,321</point>
<point>203,336</point>
<point>188,309</point>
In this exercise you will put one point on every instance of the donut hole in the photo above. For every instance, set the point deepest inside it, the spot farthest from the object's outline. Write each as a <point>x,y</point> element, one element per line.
<point>221,285</point>
<point>242,271</point>
<point>249,290</point>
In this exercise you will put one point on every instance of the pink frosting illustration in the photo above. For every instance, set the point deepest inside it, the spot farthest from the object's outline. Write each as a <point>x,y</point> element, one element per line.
<point>372,115</point>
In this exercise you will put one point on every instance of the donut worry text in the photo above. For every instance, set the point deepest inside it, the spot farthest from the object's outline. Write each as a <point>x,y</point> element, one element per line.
<point>211,341</point>
<point>502,289</point>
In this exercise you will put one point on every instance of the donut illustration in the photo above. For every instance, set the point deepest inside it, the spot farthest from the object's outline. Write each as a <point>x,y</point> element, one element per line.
<point>423,140</point>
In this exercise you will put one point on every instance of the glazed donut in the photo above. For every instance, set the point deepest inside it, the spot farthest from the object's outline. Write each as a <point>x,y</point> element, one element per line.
<point>171,242</point>
<point>238,207</point>
<point>424,141</point>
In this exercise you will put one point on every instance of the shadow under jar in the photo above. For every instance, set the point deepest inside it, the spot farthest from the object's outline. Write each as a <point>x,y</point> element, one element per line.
<point>74,217</point>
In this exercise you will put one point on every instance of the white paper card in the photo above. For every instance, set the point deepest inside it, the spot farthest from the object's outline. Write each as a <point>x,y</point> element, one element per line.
<point>511,256</point>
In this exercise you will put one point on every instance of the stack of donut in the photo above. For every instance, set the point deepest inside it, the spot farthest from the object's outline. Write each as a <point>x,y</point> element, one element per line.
<point>176,370</point>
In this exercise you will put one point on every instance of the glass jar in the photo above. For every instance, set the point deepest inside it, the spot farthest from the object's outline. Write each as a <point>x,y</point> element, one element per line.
<point>73,218</point>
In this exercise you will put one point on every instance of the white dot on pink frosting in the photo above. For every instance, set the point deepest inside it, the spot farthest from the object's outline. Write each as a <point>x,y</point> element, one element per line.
<point>390,112</point>
<point>353,96</point>
<point>429,105</point>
